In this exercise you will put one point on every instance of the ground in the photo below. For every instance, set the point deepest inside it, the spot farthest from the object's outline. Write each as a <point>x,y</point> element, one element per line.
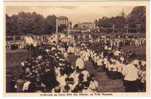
<point>139,51</point>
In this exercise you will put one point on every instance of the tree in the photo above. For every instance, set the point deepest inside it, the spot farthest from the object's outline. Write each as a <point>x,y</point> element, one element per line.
<point>50,25</point>
<point>8,25</point>
<point>11,26</point>
<point>137,18</point>
<point>106,24</point>
<point>135,21</point>
<point>30,23</point>
<point>38,24</point>
<point>24,23</point>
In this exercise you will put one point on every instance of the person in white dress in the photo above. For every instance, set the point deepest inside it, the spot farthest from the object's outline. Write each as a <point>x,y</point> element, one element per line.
<point>80,63</point>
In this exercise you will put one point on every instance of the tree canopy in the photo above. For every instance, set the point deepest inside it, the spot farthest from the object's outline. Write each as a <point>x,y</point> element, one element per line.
<point>30,23</point>
<point>135,21</point>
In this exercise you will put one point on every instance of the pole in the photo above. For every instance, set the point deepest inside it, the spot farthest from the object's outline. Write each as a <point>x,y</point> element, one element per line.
<point>127,28</point>
<point>68,28</point>
<point>56,25</point>
<point>113,28</point>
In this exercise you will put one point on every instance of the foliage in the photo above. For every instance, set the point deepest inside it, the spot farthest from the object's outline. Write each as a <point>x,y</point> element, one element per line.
<point>30,23</point>
<point>135,21</point>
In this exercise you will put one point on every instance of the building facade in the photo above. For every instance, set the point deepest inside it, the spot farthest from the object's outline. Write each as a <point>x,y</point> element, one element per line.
<point>63,24</point>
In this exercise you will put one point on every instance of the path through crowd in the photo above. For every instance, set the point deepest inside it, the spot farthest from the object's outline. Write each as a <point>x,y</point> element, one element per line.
<point>105,84</point>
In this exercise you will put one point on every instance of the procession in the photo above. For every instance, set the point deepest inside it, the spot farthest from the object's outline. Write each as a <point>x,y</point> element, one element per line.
<point>53,56</point>
<point>61,66</point>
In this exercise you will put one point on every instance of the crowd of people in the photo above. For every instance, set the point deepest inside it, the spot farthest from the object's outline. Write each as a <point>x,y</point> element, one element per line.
<point>50,68</point>
<point>115,40</point>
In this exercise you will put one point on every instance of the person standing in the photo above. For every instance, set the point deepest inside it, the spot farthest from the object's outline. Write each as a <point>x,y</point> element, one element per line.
<point>80,63</point>
<point>130,73</point>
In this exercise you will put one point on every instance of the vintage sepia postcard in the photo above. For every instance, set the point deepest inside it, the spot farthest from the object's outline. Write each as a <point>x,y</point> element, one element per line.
<point>76,48</point>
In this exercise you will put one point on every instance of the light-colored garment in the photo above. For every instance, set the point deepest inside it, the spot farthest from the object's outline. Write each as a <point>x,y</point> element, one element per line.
<point>122,59</point>
<point>80,63</point>
<point>117,53</point>
<point>86,56</point>
<point>143,63</point>
<point>106,47</point>
<point>120,67</point>
<point>130,73</point>
<point>57,71</point>
<point>142,76</point>
<point>61,80</point>
<point>57,88</point>
<point>71,50</point>
<point>65,54</point>
<point>87,90</point>
<point>39,57</point>
<point>112,67</point>
<point>106,62</point>
<point>99,62</point>
<point>26,85</point>
<point>22,64</point>
<point>95,58</point>
<point>93,85</point>
<point>135,62</point>
<point>75,76</point>
<point>86,75</point>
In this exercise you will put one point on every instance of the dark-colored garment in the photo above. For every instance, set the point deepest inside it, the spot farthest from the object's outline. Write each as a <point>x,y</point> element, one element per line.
<point>19,84</point>
<point>131,86</point>
<point>32,87</point>
<point>12,86</point>
<point>67,69</point>
<point>141,86</point>
<point>49,79</point>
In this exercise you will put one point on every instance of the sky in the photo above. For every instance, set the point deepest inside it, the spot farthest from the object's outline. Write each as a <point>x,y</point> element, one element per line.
<point>76,14</point>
